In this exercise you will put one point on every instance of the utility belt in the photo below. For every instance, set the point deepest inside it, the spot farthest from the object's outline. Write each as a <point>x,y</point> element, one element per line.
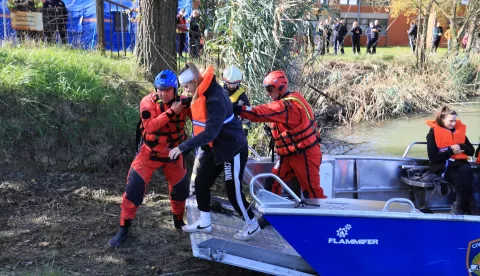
<point>155,156</point>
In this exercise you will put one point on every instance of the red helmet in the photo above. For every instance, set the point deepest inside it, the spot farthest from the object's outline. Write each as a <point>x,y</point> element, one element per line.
<point>277,79</point>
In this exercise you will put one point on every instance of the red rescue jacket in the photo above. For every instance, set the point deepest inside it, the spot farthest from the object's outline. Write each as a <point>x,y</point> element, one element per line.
<point>292,123</point>
<point>161,128</point>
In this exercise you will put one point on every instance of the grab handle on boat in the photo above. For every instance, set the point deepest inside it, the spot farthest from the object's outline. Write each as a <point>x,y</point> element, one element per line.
<point>265,175</point>
<point>254,152</point>
<point>420,143</point>
<point>410,146</point>
<point>399,200</point>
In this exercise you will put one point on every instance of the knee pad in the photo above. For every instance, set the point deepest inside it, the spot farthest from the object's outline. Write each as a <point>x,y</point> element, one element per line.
<point>135,188</point>
<point>181,190</point>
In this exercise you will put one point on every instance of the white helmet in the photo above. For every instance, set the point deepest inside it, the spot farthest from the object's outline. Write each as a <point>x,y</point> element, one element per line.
<point>232,75</point>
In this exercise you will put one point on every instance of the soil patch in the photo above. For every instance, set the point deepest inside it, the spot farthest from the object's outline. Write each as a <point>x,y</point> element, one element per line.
<point>59,224</point>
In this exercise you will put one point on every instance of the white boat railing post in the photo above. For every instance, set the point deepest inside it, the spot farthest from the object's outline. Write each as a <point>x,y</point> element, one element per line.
<point>410,146</point>
<point>264,175</point>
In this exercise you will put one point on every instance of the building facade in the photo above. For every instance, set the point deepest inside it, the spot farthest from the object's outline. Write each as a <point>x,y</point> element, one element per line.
<point>394,30</point>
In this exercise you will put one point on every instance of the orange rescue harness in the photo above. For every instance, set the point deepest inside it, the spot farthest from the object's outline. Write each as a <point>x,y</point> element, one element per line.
<point>290,141</point>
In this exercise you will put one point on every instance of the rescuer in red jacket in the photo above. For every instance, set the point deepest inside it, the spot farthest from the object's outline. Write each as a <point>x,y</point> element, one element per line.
<point>295,134</point>
<point>162,128</point>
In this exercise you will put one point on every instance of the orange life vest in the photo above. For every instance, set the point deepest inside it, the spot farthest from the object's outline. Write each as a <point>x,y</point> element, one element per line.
<point>182,25</point>
<point>199,105</point>
<point>169,136</point>
<point>290,141</point>
<point>444,138</point>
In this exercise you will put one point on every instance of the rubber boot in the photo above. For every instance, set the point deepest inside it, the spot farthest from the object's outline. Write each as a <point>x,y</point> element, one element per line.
<point>121,235</point>
<point>177,223</point>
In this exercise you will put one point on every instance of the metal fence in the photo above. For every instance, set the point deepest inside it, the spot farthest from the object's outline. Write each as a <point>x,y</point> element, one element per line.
<point>75,25</point>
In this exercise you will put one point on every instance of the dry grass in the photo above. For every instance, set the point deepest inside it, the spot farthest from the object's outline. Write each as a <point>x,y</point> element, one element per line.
<point>59,224</point>
<point>376,89</point>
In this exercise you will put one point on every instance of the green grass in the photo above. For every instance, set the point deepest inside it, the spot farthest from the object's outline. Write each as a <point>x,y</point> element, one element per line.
<point>65,93</point>
<point>383,53</point>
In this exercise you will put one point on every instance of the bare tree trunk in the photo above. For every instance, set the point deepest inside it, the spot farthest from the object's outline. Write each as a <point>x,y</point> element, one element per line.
<point>423,44</point>
<point>419,36</point>
<point>472,32</point>
<point>100,25</point>
<point>453,28</point>
<point>155,49</point>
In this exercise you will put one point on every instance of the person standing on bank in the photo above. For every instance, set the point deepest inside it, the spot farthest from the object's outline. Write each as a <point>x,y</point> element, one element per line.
<point>181,31</point>
<point>448,150</point>
<point>373,34</point>
<point>412,35</point>
<point>437,36</point>
<point>162,127</point>
<point>224,148</point>
<point>339,33</point>
<point>356,33</point>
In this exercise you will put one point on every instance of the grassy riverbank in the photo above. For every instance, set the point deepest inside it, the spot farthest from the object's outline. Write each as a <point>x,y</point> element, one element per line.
<point>66,109</point>
<point>70,110</point>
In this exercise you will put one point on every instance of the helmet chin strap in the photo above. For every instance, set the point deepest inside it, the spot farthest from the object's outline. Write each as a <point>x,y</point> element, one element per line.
<point>284,95</point>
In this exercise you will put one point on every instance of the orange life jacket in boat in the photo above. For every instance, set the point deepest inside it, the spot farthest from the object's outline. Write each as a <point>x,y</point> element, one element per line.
<point>445,138</point>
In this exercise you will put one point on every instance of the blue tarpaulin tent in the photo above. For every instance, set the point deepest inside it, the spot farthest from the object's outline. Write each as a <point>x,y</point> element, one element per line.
<point>82,23</point>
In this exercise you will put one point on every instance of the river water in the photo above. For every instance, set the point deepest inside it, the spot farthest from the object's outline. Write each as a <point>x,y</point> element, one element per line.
<point>392,137</point>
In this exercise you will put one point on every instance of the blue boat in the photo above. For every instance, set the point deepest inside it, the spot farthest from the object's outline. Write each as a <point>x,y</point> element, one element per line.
<point>371,224</point>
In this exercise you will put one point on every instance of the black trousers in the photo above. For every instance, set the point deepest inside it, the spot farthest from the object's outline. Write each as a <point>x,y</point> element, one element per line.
<point>327,44</point>
<point>338,45</point>
<point>207,172</point>
<point>413,42</point>
<point>356,45</point>
<point>372,44</point>
<point>461,177</point>
<point>194,46</point>
<point>182,38</point>
<point>436,42</point>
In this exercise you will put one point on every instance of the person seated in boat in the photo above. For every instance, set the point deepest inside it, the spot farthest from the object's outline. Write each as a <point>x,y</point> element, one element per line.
<point>448,150</point>
<point>295,134</point>
<point>224,149</point>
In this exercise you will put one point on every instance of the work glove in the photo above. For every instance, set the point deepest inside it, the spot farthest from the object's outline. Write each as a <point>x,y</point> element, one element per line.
<point>186,101</point>
<point>174,153</point>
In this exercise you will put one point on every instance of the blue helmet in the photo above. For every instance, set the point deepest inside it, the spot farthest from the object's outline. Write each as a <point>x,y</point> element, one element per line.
<point>166,79</point>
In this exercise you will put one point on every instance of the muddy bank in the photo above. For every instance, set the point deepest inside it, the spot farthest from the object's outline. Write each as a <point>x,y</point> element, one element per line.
<point>59,224</point>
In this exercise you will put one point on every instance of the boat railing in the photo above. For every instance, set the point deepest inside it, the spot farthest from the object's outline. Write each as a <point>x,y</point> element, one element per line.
<point>265,175</point>
<point>421,143</point>
<point>254,152</point>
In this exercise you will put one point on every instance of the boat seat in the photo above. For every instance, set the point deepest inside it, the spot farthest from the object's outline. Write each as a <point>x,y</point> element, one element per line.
<point>413,181</point>
<point>417,183</point>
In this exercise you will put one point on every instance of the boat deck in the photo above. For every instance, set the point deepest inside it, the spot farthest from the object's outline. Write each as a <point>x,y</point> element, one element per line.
<point>268,252</point>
